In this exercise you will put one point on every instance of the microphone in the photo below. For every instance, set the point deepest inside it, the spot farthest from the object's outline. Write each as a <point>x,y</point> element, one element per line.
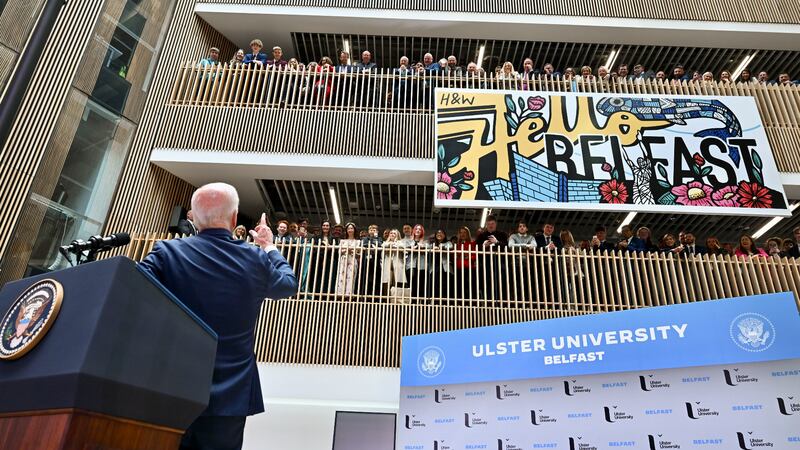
<point>96,244</point>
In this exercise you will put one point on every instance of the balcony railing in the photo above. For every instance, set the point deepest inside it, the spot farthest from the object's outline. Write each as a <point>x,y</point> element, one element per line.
<point>362,114</point>
<point>760,11</point>
<point>343,313</point>
<point>518,278</point>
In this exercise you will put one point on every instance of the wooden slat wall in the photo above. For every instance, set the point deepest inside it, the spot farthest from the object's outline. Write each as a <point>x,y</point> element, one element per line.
<point>39,111</point>
<point>17,21</point>
<point>27,228</point>
<point>146,194</point>
<point>359,107</point>
<point>761,11</point>
<point>140,65</point>
<point>324,324</point>
<point>8,59</point>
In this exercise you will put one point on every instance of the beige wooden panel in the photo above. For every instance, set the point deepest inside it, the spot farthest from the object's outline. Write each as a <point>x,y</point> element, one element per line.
<point>315,327</point>
<point>146,194</point>
<point>8,59</point>
<point>17,21</point>
<point>23,152</point>
<point>230,97</point>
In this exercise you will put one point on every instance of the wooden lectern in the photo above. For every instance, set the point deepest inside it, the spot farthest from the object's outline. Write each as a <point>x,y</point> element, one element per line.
<point>123,366</point>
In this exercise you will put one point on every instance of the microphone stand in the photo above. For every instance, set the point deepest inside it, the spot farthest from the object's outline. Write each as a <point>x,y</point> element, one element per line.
<point>80,257</point>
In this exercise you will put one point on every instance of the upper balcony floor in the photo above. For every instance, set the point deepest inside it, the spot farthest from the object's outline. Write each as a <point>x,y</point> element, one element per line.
<point>296,25</point>
<point>388,113</point>
<point>758,11</point>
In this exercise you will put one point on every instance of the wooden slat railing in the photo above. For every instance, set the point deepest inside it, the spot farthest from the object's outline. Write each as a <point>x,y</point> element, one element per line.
<point>759,11</point>
<point>362,114</point>
<point>343,313</point>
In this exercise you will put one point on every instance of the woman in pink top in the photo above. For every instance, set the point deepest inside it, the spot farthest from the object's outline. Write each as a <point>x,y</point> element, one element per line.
<point>747,247</point>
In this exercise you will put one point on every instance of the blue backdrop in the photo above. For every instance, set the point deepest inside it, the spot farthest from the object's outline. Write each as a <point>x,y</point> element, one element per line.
<point>741,330</point>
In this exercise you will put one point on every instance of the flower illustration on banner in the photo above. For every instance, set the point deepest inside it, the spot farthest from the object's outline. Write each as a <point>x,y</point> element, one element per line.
<point>444,187</point>
<point>517,112</point>
<point>449,184</point>
<point>693,194</point>
<point>536,103</point>
<point>698,159</point>
<point>726,196</point>
<point>754,195</point>
<point>614,192</point>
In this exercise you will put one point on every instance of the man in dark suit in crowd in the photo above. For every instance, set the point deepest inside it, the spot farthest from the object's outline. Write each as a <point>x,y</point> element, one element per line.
<point>491,241</point>
<point>690,246</point>
<point>224,281</point>
<point>599,242</point>
<point>795,250</point>
<point>186,226</point>
<point>547,240</point>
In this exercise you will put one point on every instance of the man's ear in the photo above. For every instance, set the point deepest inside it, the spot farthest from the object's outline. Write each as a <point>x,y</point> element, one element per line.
<point>234,219</point>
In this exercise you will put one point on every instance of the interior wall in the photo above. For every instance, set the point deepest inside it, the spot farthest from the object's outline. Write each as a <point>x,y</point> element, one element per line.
<point>301,403</point>
<point>147,194</point>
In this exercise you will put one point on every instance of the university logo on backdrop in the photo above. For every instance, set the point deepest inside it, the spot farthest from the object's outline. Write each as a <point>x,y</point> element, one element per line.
<point>612,152</point>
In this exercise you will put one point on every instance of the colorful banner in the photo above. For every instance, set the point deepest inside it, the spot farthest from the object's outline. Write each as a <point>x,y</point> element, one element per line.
<point>717,374</point>
<point>621,152</point>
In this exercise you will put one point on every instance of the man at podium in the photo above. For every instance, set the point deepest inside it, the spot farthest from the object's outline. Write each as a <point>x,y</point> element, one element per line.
<point>224,281</point>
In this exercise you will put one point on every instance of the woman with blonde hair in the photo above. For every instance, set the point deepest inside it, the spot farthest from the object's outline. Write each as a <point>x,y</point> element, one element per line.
<point>240,233</point>
<point>586,74</point>
<point>393,268</point>
<point>238,59</point>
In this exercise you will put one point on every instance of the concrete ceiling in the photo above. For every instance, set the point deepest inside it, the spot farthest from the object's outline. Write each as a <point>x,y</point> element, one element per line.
<point>274,25</point>
<point>244,170</point>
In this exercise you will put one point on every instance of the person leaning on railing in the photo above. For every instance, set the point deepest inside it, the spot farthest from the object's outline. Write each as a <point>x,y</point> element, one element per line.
<point>547,240</point>
<point>713,247</point>
<point>747,248</point>
<point>466,285</point>
<point>642,242</point>
<point>324,82</point>
<point>393,270</point>
<point>521,239</point>
<point>794,251</point>
<point>493,241</point>
<point>372,244</point>
<point>441,268</point>
<point>349,261</point>
<point>417,261</point>
<point>525,243</point>
<point>256,58</point>
<point>325,261</point>
<point>212,59</point>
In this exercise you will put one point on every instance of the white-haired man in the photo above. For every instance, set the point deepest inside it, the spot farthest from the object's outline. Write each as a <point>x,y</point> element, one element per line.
<point>224,281</point>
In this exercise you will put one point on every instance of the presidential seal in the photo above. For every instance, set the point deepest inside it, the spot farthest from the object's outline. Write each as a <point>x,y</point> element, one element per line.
<point>29,318</point>
<point>430,362</point>
<point>752,332</point>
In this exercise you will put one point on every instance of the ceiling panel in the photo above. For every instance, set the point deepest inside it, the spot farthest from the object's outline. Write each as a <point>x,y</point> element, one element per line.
<point>392,205</point>
<point>387,50</point>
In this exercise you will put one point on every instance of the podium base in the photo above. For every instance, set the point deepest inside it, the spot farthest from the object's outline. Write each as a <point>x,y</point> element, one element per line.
<point>72,429</point>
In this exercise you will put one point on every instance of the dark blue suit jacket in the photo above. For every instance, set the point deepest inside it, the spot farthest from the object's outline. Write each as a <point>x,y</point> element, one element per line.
<point>224,281</point>
<point>250,57</point>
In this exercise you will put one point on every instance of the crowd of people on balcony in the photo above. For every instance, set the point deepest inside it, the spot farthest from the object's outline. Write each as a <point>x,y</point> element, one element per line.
<point>349,260</point>
<point>449,66</point>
